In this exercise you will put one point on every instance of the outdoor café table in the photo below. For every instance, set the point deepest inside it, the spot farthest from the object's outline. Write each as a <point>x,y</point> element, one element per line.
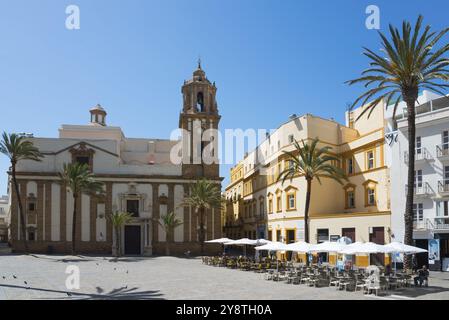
<point>392,282</point>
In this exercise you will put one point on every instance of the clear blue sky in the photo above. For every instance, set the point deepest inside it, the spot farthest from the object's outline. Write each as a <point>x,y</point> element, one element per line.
<point>269,59</point>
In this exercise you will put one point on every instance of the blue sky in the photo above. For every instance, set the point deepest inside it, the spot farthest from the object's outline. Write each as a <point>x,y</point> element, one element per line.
<point>269,59</point>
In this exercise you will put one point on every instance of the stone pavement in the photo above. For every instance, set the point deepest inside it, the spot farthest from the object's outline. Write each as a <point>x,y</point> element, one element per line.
<point>44,277</point>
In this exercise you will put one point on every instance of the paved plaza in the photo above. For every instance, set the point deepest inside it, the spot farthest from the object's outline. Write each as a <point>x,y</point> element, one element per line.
<point>44,277</point>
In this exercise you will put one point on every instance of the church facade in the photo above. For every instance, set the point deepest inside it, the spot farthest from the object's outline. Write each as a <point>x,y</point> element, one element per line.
<point>139,177</point>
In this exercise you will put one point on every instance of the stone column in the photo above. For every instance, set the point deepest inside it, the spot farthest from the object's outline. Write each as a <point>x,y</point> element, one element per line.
<point>108,210</point>
<point>155,231</point>
<point>171,201</point>
<point>186,217</point>
<point>63,216</point>
<point>40,211</point>
<point>93,218</point>
<point>48,205</point>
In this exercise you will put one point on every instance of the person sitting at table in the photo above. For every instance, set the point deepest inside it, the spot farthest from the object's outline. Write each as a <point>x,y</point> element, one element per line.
<point>423,277</point>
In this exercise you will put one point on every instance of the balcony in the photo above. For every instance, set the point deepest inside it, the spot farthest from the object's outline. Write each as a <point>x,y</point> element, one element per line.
<point>443,152</point>
<point>422,156</point>
<point>443,187</point>
<point>421,225</point>
<point>441,224</point>
<point>423,190</point>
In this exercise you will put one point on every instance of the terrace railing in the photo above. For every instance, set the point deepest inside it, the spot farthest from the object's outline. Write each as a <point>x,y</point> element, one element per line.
<point>443,186</point>
<point>442,150</point>
<point>420,154</point>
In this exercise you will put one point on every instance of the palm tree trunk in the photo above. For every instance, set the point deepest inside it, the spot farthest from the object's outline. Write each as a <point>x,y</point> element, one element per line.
<point>167,244</point>
<point>117,241</point>
<point>201,233</point>
<point>408,216</point>
<point>75,199</point>
<point>22,216</point>
<point>306,215</point>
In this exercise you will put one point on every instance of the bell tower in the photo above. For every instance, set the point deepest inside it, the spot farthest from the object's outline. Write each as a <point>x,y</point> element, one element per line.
<point>199,120</point>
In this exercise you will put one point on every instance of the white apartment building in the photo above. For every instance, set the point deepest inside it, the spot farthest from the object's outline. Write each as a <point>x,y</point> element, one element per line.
<point>4,211</point>
<point>431,204</point>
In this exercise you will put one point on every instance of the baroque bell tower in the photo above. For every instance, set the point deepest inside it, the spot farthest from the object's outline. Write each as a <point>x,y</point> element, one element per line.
<point>199,120</point>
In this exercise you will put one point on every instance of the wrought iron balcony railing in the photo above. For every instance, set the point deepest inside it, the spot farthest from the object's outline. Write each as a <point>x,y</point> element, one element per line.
<point>442,150</point>
<point>420,154</point>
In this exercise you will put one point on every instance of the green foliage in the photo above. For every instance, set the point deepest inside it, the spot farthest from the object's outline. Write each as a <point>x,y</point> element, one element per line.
<point>78,178</point>
<point>312,162</point>
<point>204,194</point>
<point>169,222</point>
<point>119,218</point>
<point>411,63</point>
<point>17,147</point>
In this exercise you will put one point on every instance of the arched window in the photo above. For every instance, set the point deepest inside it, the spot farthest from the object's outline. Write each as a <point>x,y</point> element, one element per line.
<point>200,101</point>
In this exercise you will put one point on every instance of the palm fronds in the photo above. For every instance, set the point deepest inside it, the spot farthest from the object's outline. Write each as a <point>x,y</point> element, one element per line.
<point>409,62</point>
<point>78,178</point>
<point>204,194</point>
<point>312,162</point>
<point>17,147</point>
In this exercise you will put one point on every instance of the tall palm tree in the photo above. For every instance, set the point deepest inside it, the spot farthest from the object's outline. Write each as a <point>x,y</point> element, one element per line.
<point>410,63</point>
<point>313,163</point>
<point>169,222</point>
<point>204,196</point>
<point>118,220</point>
<point>78,178</point>
<point>17,148</point>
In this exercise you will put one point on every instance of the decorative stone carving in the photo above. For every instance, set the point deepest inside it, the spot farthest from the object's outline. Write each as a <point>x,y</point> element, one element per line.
<point>163,199</point>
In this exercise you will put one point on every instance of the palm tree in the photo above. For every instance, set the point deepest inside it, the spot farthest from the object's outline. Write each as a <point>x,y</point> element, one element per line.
<point>204,195</point>
<point>78,178</point>
<point>410,63</point>
<point>169,222</point>
<point>118,220</point>
<point>17,148</point>
<point>311,162</point>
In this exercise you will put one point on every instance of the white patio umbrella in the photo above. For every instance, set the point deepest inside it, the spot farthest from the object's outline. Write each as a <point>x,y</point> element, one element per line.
<point>221,240</point>
<point>327,246</point>
<point>274,246</point>
<point>262,242</point>
<point>351,249</point>
<point>242,242</point>
<point>300,246</point>
<point>365,248</point>
<point>399,247</point>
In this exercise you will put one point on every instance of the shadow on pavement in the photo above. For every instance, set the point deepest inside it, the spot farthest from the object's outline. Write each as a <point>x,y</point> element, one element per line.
<point>415,292</point>
<point>122,293</point>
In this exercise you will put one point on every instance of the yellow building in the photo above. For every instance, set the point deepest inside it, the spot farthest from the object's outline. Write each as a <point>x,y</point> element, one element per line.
<point>360,209</point>
<point>240,218</point>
